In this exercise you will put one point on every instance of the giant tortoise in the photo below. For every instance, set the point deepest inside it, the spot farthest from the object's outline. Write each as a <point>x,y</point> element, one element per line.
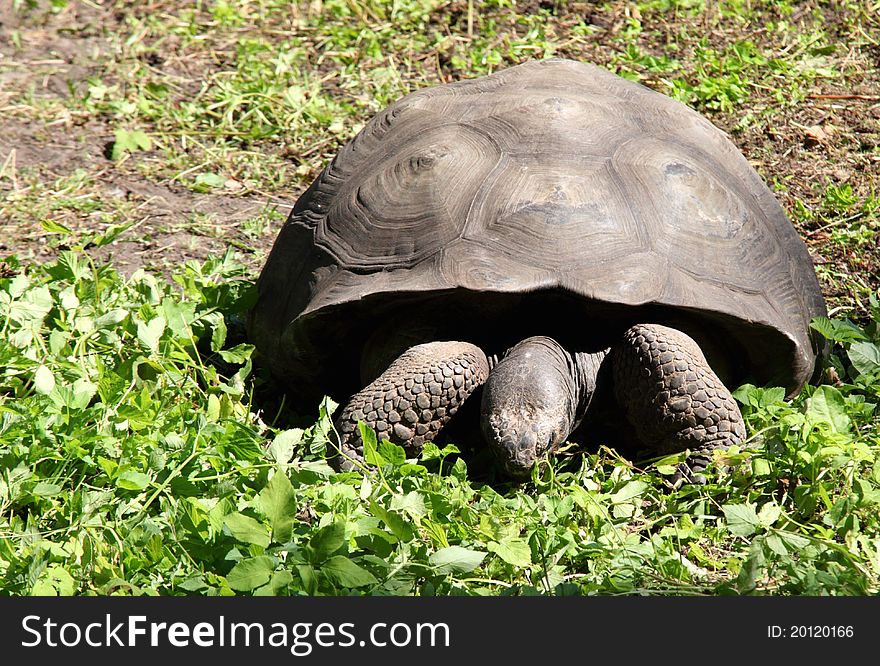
<point>599,238</point>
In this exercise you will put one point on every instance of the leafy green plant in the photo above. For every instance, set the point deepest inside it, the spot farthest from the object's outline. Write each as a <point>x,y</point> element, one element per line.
<point>142,451</point>
<point>129,141</point>
<point>136,460</point>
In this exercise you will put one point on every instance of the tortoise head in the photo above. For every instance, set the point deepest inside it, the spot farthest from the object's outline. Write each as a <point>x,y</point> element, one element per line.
<point>529,404</point>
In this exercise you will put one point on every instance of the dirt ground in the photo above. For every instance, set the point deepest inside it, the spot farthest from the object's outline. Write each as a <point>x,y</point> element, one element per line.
<point>832,137</point>
<point>63,50</point>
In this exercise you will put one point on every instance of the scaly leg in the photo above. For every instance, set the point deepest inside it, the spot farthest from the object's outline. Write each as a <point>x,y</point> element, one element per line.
<point>672,397</point>
<point>413,399</point>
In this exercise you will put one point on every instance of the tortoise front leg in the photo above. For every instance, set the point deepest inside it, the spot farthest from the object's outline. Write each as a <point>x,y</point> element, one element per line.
<point>672,397</point>
<point>413,399</point>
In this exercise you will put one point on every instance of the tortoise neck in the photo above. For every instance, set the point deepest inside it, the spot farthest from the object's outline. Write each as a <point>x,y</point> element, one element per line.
<point>585,368</point>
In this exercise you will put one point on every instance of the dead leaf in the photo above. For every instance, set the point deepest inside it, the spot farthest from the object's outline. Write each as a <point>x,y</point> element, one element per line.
<point>815,135</point>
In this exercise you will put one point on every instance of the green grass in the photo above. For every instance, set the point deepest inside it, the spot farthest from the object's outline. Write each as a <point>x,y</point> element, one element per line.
<point>142,453</point>
<point>136,462</point>
<point>251,99</point>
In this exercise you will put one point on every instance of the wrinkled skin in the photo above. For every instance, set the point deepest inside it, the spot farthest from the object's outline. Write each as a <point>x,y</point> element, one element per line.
<point>539,392</point>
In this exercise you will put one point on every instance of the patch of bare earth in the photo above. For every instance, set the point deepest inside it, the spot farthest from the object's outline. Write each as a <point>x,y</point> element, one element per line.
<point>830,138</point>
<point>45,56</point>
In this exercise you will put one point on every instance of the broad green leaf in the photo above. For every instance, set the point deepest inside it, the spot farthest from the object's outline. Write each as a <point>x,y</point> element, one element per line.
<point>372,455</point>
<point>309,578</point>
<point>238,354</point>
<point>17,286</point>
<point>459,469</point>
<point>753,396</point>
<point>219,331</point>
<point>623,510</point>
<point>396,524</point>
<point>83,392</point>
<point>55,581</point>
<point>44,380</point>
<point>432,452</point>
<point>839,330</point>
<point>246,529</point>
<point>741,518</point>
<point>132,480</point>
<point>251,573</point>
<point>324,426</point>
<point>455,559</point>
<point>563,506</point>
<point>769,514</point>
<point>141,140</point>
<point>392,453</point>
<point>53,227</point>
<point>628,492</point>
<point>345,573</point>
<point>513,551</point>
<point>129,141</point>
<point>111,318</point>
<point>327,541</point>
<point>794,541</point>
<point>193,584</point>
<point>278,504</point>
<point>208,181</point>
<point>412,503</point>
<point>109,466</point>
<point>865,357</point>
<point>212,409</point>
<point>58,340</point>
<point>828,405</point>
<point>46,489</point>
<point>326,409</point>
<point>277,585</point>
<point>776,544</point>
<point>282,447</point>
<point>752,567</point>
<point>179,317</point>
<point>33,305</point>
<point>148,369</point>
<point>69,301</point>
<point>149,333</point>
<point>772,395</point>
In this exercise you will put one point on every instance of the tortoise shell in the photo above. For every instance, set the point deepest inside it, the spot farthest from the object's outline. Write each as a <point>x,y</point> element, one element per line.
<point>550,198</point>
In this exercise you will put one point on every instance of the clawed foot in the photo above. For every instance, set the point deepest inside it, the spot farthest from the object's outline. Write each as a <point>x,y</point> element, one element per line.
<point>673,399</point>
<point>412,400</point>
<point>690,472</point>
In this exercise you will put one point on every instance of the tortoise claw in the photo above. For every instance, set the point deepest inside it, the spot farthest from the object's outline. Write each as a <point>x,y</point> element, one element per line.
<point>690,472</point>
